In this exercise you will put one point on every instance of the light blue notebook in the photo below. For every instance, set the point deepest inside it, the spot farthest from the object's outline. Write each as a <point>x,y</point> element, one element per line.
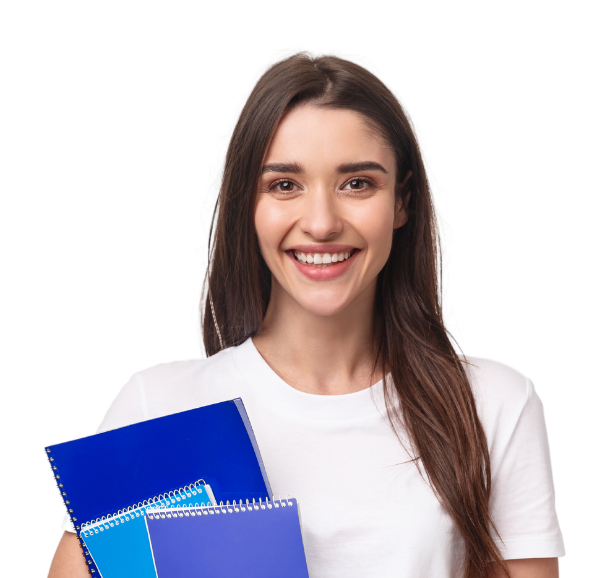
<point>119,544</point>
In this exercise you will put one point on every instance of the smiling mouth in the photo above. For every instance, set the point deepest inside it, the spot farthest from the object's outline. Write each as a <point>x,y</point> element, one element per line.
<point>323,265</point>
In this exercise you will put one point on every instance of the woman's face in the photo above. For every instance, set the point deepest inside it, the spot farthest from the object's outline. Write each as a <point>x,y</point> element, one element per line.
<point>326,209</point>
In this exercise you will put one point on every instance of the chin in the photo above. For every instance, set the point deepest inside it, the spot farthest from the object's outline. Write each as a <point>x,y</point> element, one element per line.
<point>323,307</point>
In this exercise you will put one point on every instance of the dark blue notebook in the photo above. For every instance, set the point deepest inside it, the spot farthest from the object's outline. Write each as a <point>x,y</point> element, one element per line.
<point>101,474</point>
<point>260,540</point>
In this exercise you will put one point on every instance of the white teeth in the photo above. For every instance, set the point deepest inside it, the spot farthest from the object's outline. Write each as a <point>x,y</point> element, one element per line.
<point>322,259</point>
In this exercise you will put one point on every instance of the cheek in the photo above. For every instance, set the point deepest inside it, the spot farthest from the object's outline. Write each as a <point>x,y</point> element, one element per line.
<point>377,229</point>
<point>270,224</point>
<point>377,223</point>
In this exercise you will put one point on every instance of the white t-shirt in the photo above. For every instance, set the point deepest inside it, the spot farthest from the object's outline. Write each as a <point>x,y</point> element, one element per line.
<point>365,510</point>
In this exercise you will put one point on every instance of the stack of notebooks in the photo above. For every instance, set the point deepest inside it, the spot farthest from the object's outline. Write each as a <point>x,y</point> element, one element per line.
<point>182,495</point>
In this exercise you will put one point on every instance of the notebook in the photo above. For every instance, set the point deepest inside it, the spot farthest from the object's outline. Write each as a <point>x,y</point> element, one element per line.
<point>119,544</point>
<point>114,470</point>
<point>255,540</point>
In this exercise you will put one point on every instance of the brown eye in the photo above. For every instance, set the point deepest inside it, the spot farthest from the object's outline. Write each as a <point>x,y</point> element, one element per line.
<point>285,186</point>
<point>356,184</point>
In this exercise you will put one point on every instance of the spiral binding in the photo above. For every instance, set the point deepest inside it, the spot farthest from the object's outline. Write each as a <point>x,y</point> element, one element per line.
<point>59,485</point>
<point>157,513</point>
<point>168,500</point>
<point>63,494</point>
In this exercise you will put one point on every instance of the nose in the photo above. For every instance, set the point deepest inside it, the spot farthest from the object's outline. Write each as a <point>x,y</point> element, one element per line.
<point>320,216</point>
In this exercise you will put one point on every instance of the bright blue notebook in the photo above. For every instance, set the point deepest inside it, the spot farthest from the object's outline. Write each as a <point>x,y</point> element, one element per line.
<point>261,540</point>
<point>101,474</point>
<point>119,544</point>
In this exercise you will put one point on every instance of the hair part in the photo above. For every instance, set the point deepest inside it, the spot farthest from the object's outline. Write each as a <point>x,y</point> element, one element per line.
<point>428,395</point>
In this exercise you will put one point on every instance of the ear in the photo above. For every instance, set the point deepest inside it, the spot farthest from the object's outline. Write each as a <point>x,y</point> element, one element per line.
<point>401,215</point>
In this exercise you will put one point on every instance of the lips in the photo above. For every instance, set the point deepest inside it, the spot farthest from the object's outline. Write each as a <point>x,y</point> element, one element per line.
<point>333,271</point>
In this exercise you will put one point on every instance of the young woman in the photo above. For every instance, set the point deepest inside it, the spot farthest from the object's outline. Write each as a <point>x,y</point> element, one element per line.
<point>323,314</point>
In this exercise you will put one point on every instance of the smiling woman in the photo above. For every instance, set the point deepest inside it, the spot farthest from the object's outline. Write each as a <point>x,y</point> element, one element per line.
<point>322,313</point>
<point>341,188</point>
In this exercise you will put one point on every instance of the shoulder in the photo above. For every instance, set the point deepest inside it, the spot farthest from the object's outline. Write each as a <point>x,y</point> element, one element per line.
<point>496,383</point>
<point>178,376</point>
<point>501,394</point>
<point>176,386</point>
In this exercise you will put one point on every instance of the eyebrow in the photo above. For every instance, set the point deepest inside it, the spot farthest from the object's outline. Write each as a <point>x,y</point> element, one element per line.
<point>296,168</point>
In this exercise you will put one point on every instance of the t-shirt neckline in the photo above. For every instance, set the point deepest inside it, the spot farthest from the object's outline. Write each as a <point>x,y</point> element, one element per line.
<point>279,394</point>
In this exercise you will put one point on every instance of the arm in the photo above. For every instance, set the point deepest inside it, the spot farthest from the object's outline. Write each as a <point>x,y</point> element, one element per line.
<point>68,560</point>
<point>529,568</point>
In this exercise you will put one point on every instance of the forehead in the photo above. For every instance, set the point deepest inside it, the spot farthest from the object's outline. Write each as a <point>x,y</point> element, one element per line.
<point>319,137</point>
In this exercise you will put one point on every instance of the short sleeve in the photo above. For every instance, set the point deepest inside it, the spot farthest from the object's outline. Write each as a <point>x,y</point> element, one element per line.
<point>522,501</point>
<point>66,524</point>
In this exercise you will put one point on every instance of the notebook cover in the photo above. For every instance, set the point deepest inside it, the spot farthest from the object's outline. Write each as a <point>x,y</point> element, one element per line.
<point>103,473</point>
<point>259,542</point>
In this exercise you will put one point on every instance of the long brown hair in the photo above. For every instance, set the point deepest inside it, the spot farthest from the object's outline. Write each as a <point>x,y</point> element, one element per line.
<point>436,406</point>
